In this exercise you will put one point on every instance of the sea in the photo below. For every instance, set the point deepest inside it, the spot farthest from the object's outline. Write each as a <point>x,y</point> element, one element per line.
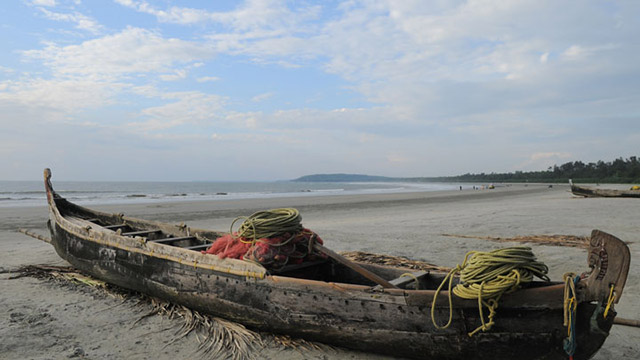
<point>31,193</point>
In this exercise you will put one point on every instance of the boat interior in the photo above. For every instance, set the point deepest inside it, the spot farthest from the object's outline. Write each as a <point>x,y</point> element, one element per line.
<point>327,270</point>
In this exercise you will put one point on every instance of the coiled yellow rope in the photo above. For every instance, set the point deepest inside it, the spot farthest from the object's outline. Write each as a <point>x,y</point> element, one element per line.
<point>486,276</point>
<point>269,223</point>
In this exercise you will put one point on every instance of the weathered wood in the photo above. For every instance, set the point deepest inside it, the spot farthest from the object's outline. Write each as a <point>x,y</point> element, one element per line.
<point>406,279</point>
<point>35,236</point>
<point>173,239</point>
<point>353,266</point>
<point>626,322</point>
<point>198,247</point>
<point>112,227</point>
<point>139,233</point>
<point>609,261</point>
<point>295,267</point>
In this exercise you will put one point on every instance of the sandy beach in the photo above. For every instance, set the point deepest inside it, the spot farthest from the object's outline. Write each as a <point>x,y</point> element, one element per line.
<point>41,319</point>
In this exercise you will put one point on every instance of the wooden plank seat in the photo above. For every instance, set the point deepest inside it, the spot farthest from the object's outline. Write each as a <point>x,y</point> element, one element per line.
<point>140,233</point>
<point>172,239</point>
<point>115,227</point>
<point>402,281</point>
<point>198,247</point>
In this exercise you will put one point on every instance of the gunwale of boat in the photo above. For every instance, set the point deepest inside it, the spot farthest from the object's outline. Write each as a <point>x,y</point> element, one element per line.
<point>538,294</point>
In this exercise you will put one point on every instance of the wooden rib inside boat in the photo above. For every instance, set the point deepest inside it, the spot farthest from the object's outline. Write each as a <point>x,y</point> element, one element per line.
<point>334,300</point>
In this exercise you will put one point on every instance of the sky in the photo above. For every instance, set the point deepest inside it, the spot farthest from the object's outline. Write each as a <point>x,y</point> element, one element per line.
<point>270,90</point>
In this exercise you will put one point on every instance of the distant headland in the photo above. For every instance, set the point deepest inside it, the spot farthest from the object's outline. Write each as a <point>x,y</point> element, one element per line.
<point>621,171</point>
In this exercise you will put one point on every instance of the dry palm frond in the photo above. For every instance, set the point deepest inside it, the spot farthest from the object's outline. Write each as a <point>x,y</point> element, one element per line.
<point>298,344</point>
<point>217,338</point>
<point>68,274</point>
<point>557,240</point>
<point>40,271</point>
<point>397,261</point>
<point>77,277</point>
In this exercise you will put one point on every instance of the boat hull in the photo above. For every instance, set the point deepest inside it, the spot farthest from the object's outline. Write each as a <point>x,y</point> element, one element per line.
<point>335,314</point>
<point>591,192</point>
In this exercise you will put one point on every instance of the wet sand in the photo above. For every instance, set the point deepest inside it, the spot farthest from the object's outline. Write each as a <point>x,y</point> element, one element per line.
<point>41,319</point>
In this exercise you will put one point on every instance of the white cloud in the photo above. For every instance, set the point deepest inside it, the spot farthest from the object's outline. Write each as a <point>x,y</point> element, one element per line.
<point>578,52</point>
<point>178,74</point>
<point>262,97</point>
<point>82,22</point>
<point>191,108</point>
<point>44,2</point>
<point>575,52</point>
<point>544,58</point>
<point>64,96</point>
<point>397,158</point>
<point>252,15</point>
<point>550,155</point>
<point>207,79</point>
<point>543,160</point>
<point>133,50</point>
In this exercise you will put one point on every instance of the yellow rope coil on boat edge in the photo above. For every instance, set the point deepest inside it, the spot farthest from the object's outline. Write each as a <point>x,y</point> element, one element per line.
<point>486,276</point>
<point>269,223</point>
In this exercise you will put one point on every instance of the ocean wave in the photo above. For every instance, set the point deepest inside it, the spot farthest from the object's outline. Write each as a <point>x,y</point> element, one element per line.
<point>22,192</point>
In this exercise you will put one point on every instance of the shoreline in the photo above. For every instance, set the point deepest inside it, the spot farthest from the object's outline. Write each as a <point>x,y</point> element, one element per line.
<point>401,224</point>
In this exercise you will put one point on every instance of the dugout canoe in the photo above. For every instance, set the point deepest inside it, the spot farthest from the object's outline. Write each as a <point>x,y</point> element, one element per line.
<point>586,191</point>
<point>329,301</point>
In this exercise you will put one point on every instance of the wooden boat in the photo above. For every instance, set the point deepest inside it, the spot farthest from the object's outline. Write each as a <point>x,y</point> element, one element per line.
<point>592,192</point>
<point>328,301</point>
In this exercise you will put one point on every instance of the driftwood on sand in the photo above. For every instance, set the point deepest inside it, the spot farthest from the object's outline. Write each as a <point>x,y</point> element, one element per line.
<point>555,240</point>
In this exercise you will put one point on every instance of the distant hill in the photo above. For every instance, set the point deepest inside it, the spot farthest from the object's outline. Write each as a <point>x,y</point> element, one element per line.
<point>342,178</point>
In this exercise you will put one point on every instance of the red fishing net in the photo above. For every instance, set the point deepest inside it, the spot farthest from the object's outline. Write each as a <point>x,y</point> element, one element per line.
<point>273,252</point>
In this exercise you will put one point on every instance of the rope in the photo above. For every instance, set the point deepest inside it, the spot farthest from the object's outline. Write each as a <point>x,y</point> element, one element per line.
<point>612,297</point>
<point>486,276</point>
<point>570,306</point>
<point>414,279</point>
<point>268,224</point>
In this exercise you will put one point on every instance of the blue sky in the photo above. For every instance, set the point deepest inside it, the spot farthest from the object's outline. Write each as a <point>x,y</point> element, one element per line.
<point>269,90</point>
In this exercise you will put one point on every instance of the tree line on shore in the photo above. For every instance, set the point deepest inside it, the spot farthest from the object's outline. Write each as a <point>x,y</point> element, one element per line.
<point>620,170</point>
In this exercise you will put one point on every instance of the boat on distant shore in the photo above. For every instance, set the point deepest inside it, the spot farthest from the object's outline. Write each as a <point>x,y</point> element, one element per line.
<point>372,308</point>
<point>593,192</point>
